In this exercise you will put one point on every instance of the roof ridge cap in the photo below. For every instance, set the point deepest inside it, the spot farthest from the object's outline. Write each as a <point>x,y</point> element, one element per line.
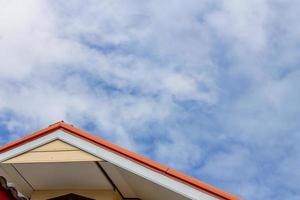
<point>57,123</point>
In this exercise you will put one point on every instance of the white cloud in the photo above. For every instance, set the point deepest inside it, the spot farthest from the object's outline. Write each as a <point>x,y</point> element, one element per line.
<point>41,45</point>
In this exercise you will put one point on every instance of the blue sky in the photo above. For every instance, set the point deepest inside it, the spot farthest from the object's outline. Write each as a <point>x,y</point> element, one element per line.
<point>207,87</point>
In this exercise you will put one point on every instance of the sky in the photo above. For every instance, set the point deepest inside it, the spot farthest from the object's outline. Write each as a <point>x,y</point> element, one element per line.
<point>207,87</point>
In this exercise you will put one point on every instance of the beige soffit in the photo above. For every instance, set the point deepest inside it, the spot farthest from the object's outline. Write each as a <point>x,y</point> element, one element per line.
<point>56,151</point>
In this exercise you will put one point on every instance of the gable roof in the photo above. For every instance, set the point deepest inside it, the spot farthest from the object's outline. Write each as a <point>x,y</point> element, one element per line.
<point>126,153</point>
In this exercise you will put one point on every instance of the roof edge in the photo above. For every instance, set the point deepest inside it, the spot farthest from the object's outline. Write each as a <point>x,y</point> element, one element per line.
<point>129,154</point>
<point>32,136</point>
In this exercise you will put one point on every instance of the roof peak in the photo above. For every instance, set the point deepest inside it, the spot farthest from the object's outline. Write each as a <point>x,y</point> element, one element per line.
<point>60,123</point>
<point>124,152</point>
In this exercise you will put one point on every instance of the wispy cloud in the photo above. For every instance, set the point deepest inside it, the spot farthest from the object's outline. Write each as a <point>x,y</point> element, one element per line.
<point>207,87</point>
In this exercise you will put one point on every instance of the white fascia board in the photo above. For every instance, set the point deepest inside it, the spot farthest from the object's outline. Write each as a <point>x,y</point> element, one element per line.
<point>118,160</point>
<point>29,146</point>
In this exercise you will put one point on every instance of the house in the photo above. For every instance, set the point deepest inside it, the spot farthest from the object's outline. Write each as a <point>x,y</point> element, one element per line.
<point>63,162</point>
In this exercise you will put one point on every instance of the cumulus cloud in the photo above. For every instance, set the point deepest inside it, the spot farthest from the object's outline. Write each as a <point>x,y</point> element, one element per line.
<point>206,87</point>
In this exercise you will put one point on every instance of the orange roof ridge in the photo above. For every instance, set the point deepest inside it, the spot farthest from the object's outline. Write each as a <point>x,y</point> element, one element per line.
<point>129,154</point>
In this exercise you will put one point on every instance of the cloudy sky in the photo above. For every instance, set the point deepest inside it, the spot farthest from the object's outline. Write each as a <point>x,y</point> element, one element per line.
<point>208,87</point>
